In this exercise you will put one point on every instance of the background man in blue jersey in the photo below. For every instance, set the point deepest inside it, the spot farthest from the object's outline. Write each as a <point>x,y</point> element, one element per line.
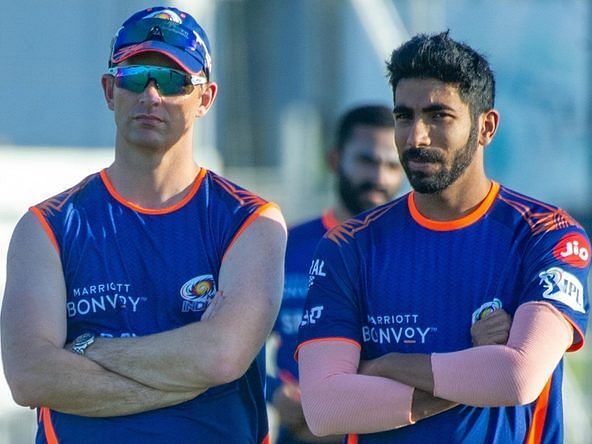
<point>146,270</point>
<point>385,348</point>
<point>366,163</point>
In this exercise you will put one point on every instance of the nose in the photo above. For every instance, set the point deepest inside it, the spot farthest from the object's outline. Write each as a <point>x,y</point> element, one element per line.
<point>419,134</point>
<point>150,95</point>
<point>386,175</point>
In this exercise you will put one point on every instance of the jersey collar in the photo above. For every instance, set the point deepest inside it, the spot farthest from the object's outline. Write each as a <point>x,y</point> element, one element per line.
<point>455,224</point>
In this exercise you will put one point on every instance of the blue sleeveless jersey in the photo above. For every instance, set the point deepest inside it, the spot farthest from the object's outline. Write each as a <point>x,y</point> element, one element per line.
<point>132,271</point>
<point>302,243</point>
<point>394,281</point>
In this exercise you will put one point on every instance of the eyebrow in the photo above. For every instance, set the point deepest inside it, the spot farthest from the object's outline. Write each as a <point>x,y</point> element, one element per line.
<point>428,109</point>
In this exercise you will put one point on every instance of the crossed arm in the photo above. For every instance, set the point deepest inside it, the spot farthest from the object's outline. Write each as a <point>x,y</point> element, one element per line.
<point>493,375</point>
<point>340,394</point>
<point>398,389</point>
<point>131,375</point>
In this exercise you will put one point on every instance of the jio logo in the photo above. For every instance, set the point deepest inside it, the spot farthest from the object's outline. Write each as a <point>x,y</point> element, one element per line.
<point>573,249</point>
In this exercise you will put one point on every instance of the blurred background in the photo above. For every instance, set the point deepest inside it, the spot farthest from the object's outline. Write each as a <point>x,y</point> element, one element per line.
<point>286,70</point>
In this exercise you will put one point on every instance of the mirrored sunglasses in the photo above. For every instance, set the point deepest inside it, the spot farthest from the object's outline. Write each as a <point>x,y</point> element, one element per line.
<point>169,81</point>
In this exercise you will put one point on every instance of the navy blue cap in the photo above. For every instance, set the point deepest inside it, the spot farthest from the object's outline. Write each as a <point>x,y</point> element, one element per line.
<point>165,30</point>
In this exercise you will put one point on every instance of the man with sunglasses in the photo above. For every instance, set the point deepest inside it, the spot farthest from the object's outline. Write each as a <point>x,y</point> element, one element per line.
<point>135,309</point>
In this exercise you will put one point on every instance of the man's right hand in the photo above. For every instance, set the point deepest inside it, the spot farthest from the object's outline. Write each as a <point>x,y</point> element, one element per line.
<point>493,330</point>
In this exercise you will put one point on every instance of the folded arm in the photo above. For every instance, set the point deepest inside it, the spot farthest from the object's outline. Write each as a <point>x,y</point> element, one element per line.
<point>222,346</point>
<point>337,400</point>
<point>38,370</point>
<point>491,375</point>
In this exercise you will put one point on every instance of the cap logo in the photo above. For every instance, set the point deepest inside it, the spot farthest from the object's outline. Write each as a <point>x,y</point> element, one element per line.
<point>165,14</point>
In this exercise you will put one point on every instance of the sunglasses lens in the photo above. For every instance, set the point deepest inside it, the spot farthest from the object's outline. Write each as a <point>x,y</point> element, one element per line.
<point>168,81</point>
<point>172,82</point>
<point>132,80</point>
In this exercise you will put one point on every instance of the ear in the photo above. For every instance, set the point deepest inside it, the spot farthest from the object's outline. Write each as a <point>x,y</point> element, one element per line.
<point>333,159</point>
<point>107,83</point>
<point>488,124</point>
<point>208,95</point>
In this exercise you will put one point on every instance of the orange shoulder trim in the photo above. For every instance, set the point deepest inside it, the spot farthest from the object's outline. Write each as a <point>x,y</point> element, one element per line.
<point>576,345</point>
<point>541,221</point>
<point>247,223</point>
<point>348,229</point>
<point>56,203</point>
<point>244,197</point>
<point>46,227</point>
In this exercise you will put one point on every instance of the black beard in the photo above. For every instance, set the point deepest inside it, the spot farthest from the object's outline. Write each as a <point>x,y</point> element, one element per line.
<point>429,184</point>
<point>350,194</point>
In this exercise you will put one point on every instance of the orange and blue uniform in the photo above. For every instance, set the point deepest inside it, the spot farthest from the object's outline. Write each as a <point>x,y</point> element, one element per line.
<point>131,271</point>
<point>391,280</point>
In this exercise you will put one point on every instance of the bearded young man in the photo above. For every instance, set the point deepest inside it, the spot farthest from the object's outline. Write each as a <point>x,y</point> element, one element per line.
<point>385,343</point>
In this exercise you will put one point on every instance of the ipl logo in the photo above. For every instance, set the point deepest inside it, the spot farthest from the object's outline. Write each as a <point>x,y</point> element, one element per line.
<point>197,293</point>
<point>564,287</point>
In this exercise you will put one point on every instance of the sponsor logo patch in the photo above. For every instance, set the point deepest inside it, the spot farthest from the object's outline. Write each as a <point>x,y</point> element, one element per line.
<point>573,249</point>
<point>564,287</point>
<point>103,297</point>
<point>398,328</point>
<point>317,268</point>
<point>197,293</point>
<point>310,317</point>
<point>486,309</point>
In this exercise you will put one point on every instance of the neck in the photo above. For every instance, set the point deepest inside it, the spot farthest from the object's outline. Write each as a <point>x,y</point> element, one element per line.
<point>153,179</point>
<point>340,212</point>
<point>458,199</point>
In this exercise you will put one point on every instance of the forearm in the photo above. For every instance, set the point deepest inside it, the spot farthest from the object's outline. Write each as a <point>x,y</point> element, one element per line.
<point>413,369</point>
<point>165,361</point>
<point>336,400</point>
<point>425,405</point>
<point>492,375</point>
<point>514,374</point>
<point>65,382</point>
<point>416,370</point>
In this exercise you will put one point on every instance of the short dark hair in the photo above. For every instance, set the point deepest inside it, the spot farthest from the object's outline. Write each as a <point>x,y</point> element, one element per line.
<point>372,115</point>
<point>439,57</point>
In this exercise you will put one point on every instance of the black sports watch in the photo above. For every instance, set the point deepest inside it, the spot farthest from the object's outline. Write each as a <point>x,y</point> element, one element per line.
<point>82,342</point>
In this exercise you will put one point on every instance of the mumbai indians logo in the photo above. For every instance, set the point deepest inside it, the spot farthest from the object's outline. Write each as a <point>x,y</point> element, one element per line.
<point>166,14</point>
<point>564,287</point>
<point>486,309</point>
<point>197,293</point>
